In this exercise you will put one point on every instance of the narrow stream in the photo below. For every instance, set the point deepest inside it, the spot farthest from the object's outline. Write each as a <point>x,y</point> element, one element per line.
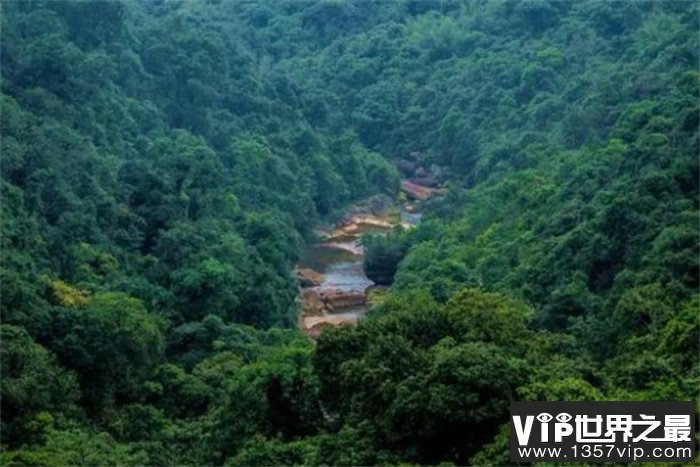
<point>338,292</point>
<point>340,262</point>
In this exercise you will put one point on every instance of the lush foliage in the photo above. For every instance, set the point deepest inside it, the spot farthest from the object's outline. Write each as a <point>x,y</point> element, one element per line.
<point>383,255</point>
<point>164,163</point>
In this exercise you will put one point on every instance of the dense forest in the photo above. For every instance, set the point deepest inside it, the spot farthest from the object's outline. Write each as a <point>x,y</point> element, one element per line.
<point>164,163</point>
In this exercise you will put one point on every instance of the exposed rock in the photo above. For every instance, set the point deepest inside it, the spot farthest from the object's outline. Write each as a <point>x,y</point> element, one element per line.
<point>431,178</point>
<point>353,227</point>
<point>418,192</point>
<point>349,246</point>
<point>315,325</point>
<point>336,300</point>
<point>379,204</point>
<point>309,277</point>
<point>376,205</point>
<point>340,296</point>
<point>311,302</point>
<point>315,330</point>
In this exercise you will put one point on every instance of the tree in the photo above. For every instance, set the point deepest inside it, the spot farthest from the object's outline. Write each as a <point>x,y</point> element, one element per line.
<point>113,344</point>
<point>383,253</point>
<point>33,387</point>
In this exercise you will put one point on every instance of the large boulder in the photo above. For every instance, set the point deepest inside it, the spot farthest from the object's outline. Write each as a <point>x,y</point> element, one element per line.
<point>314,326</point>
<point>309,277</point>
<point>416,192</point>
<point>337,300</point>
<point>311,303</point>
<point>377,205</point>
<point>315,330</point>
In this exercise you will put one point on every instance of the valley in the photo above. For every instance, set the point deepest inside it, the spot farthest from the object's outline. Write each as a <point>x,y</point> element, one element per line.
<point>334,288</point>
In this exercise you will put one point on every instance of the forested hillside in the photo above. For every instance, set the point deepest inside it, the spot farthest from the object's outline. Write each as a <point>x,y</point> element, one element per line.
<point>165,162</point>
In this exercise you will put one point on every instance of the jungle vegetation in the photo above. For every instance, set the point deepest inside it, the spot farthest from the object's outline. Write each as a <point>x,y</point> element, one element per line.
<point>164,164</point>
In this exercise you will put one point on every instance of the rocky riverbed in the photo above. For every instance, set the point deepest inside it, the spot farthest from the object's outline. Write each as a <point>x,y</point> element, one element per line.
<point>333,285</point>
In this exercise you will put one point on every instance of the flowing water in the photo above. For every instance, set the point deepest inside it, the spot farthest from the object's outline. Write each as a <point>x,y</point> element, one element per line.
<point>339,260</point>
<point>340,263</point>
<point>342,272</point>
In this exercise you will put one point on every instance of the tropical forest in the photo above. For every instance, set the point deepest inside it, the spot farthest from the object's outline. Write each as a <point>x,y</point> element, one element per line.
<point>339,232</point>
